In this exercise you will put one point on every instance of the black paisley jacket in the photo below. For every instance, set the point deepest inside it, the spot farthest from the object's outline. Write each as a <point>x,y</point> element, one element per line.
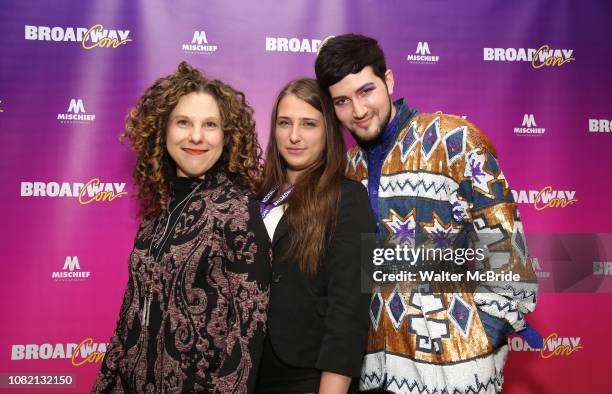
<point>211,275</point>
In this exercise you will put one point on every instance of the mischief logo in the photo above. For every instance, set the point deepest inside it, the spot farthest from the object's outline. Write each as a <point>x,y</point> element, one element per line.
<point>76,106</point>
<point>71,271</point>
<point>422,54</point>
<point>76,113</point>
<point>529,120</point>
<point>423,48</point>
<point>529,126</point>
<point>199,44</point>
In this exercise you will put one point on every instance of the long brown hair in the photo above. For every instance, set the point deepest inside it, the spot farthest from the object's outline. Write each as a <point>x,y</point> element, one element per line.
<point>147,122</point>
<point>313,203</point>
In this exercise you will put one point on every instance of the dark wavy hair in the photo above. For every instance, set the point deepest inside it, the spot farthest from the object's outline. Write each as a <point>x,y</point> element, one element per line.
<point>347,54</point>
<point>146,127</point>
<point>313,203</point>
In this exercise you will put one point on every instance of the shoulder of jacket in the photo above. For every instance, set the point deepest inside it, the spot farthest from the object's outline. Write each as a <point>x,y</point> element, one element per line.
<point>237,194</point>
<point>448,124</point>
<point>353,192</point>
<point>350,185</point>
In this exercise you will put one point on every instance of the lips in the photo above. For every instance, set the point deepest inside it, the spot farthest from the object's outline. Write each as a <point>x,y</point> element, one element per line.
<point>195,152</point>
<point>363,123</point>
<point>295,150</point>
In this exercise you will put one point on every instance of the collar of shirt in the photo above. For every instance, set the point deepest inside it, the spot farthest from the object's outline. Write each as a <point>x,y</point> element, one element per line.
<point>378,150</point>
<point>180,187</point>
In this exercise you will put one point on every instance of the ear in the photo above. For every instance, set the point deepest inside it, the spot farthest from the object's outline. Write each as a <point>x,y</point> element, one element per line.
<point>389,81</point>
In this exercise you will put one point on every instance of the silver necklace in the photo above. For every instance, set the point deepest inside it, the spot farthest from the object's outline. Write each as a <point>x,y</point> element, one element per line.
<point>148,283</point>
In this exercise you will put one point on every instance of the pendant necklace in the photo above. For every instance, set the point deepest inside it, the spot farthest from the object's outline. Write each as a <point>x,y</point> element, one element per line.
<point>159,244</point>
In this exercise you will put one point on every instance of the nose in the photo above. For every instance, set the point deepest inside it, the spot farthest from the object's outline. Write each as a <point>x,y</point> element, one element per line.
<point>359,110</point>
<point>295,136</point>
<point>195,135</point>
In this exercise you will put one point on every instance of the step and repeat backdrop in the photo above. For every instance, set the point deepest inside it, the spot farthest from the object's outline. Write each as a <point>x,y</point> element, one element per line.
<point>533,75</point>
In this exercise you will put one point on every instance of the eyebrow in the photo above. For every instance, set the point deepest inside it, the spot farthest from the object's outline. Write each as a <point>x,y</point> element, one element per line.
<point>189,117</point>
<point>288,118</point>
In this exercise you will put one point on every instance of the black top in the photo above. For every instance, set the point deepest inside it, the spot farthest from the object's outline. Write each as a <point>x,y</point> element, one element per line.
<point>319,324</point>
<point>211,274</point>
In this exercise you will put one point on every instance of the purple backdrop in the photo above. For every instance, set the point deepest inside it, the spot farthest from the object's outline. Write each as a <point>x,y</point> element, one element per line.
<point>64,95</point>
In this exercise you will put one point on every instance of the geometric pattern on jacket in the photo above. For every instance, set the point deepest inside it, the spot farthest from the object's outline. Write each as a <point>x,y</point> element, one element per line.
<point>441,183</point>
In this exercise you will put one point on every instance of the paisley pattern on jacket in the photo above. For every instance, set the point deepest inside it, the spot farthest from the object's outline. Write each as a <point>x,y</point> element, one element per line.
<point>210,296</point>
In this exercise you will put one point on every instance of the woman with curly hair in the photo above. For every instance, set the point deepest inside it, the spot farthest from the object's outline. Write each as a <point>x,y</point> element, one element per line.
<point>194,312</point>
<point>318,316</point>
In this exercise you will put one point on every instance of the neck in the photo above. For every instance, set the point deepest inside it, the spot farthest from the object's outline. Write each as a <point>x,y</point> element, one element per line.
<point>181,174</point>
<point>292,176</point>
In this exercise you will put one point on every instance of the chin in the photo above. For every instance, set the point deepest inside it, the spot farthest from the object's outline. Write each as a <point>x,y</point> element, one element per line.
<point>367,136</point>
<point>193,173</point>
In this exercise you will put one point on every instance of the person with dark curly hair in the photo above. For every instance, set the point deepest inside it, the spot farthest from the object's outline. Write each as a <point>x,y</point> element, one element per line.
<point>194,312</point>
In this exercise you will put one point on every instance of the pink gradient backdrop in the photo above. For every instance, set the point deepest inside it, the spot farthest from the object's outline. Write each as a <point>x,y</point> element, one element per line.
<point>39,79</point>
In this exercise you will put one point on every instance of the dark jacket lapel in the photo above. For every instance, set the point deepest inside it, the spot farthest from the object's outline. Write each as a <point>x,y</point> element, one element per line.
<point>282,228</point>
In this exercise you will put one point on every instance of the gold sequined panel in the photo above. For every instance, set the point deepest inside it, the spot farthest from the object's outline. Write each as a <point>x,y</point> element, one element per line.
<point>405,156</point>
<point>433,338</point>
<point>356,166</point>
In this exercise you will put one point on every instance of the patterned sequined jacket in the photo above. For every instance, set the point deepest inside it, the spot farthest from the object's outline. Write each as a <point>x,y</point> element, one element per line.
<point>210,295</point>
<point>440,185</point>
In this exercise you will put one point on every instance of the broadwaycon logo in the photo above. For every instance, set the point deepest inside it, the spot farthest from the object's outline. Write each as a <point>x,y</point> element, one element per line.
<point>76,113</point>
<point>71,271</point>
<point>529,126</point>
<point>92,191</point>
<point>85,352</point>
<point>199,44</point>
<point>283,44</point>
<point>543,56</point>
<point>599,125</point>
<point>545,198</point>
<point>602,268</point>
<point>554,345</point>
<point>422,55</point>
<point>94,37</point>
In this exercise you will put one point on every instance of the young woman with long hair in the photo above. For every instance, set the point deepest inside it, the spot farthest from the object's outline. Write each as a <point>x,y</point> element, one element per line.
<point>318,316</point>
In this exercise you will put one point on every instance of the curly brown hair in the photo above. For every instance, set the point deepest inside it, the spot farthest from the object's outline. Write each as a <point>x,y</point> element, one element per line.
<point>146,126</point>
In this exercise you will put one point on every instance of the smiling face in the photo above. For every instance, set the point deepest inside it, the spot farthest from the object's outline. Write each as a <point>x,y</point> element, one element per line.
<point>300,135</point>
<point>363,104</point>
<point>194,137</point>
